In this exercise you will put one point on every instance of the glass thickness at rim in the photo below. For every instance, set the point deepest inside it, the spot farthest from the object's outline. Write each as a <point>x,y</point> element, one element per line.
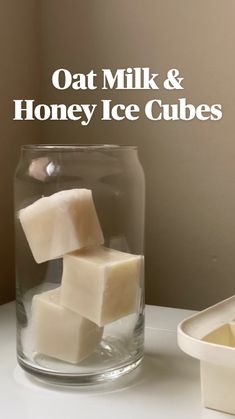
<point>82,147</point>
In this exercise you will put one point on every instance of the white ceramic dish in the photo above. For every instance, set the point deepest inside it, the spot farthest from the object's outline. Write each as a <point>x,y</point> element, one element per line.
<point>210,337</point>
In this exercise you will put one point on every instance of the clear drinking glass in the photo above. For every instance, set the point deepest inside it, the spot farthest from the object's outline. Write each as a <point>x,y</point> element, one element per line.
<point>60,336</point>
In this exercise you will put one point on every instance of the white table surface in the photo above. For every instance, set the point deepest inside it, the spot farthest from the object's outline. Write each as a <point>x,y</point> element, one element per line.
<point>166,386</point>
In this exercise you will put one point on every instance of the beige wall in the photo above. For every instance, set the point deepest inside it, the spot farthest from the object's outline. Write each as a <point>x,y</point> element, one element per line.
<point>19,77</point>
<point>189,166</point>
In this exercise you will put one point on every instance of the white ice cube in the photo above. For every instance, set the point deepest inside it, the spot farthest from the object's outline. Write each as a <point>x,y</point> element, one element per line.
<point>101,284</point>
<point>59,332</point>
<point>61,223</point>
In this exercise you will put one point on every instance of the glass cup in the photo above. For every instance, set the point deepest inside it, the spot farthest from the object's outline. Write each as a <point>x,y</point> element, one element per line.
<point>79,229</point>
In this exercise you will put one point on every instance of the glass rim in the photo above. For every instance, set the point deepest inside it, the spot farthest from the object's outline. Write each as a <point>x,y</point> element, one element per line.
<point>82,147</point>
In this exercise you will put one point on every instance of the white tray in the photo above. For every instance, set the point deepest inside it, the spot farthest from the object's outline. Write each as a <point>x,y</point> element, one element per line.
<point>210,337</point>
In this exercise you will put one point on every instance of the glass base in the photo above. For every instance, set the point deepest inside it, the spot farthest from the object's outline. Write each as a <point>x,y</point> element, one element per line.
<point>78,379</point>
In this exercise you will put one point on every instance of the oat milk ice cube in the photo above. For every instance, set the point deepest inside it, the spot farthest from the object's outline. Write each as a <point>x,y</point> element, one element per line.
<point>60,223</point>
<point>101,284</point>
<point>59,332</point>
